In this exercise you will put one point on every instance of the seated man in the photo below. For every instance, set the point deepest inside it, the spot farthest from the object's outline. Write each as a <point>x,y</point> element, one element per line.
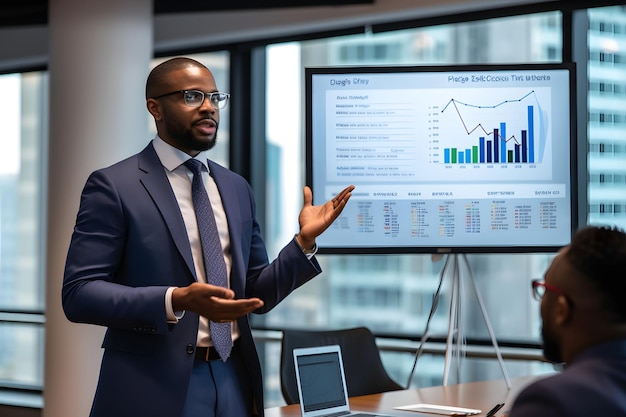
<point>584,327</point>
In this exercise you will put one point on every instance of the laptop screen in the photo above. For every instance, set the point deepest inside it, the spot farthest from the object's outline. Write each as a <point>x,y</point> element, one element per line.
<point>320,377</point>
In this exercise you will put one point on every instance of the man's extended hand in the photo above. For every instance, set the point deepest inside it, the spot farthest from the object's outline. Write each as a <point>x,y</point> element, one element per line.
<point>315,219</point>
<point>213,302</point>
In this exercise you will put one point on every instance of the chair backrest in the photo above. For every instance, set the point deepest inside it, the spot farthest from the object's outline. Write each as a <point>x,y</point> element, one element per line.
<point>363,367</point>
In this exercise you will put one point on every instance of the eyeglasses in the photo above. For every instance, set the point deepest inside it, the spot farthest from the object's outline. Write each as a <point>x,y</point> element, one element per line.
<point>539,290</point>
<point>195,98</point>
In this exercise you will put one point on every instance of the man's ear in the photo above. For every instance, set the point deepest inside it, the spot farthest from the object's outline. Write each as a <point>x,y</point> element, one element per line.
<point>563,311</point>
<point>154,107</point>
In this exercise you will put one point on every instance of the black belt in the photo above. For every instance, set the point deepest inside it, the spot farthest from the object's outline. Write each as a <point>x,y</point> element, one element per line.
<point>207,354</point>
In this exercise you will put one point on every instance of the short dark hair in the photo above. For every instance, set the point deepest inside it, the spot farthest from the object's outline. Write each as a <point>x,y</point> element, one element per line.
<point>599,254</point>
<point>159,74</point>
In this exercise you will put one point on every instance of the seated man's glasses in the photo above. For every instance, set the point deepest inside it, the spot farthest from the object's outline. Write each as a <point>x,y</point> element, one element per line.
<point>540,287</point>
<point>195,98</point>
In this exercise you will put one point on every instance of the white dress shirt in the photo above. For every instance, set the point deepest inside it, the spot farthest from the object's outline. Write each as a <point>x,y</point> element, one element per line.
<point>180,178</point>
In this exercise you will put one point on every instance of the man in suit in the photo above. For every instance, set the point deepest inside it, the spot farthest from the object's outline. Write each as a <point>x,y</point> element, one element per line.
<point>135,264</point>
<point>584,327</point>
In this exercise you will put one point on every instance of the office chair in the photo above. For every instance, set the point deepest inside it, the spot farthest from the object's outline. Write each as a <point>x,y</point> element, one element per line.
<point>363,367</point>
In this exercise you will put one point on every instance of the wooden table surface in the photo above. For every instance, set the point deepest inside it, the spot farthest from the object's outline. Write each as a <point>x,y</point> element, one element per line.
<point>481,395</point>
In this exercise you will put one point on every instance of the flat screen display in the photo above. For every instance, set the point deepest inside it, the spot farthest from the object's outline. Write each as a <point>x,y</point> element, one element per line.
<point>444,159</point>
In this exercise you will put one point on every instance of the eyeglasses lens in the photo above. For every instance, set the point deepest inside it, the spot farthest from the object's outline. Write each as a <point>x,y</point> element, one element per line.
<point>194,98</point>
<point>538,290</point>
<point>218,100</point>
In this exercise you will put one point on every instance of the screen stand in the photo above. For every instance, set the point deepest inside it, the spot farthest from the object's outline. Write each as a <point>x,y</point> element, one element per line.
<point>455,329</point>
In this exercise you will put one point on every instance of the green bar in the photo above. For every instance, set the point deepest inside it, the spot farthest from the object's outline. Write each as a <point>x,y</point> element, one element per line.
<point>453,155</point>
<point>474,154</point>
<point>509,155</point>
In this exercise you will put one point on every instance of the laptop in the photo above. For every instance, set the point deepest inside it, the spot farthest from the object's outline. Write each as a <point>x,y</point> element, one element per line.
<point>322,383</point>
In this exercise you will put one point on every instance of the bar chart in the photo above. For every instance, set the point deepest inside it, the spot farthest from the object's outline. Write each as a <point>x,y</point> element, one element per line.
<point>506,132</point>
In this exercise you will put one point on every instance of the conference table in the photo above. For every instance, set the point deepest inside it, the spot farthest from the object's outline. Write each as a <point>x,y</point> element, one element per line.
<point>483,395</point>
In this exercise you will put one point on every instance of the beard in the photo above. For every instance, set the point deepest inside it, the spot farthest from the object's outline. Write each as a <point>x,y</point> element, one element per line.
<point>189,141</point>
<point>184,138</point>
<point>551,347</point>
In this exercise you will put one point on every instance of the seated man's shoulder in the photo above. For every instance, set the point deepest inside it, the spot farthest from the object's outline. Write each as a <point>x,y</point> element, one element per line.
<point>580,391</point>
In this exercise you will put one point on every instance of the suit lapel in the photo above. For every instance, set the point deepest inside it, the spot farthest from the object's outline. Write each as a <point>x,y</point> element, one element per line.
<point>153,180</point>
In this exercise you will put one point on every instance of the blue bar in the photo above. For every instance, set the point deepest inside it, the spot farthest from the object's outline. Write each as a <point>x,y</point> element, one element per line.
<point>481,147</point>
<point>516,153</point>
<point>531,135</point>
<point>524,147</point>
<point>488,151</point>
<point>496,145</point>
<point>446,155</point>
<point>468,156</point>
<point>460,157</point>
<point>503,158</point>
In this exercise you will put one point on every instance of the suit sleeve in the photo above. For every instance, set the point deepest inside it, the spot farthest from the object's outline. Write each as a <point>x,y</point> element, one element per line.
<point>94,289</point>
<point>253,275</point>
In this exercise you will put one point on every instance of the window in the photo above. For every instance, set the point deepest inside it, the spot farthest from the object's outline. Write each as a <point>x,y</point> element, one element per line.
<point>353,290</point>
<point>23,170</point>
<point>392,294</point>
<point>607,120</point>
<point>23,98</point>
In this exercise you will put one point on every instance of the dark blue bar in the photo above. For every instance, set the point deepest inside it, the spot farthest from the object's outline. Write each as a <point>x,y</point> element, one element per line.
<point>496,142</point>
<point>503,142</point>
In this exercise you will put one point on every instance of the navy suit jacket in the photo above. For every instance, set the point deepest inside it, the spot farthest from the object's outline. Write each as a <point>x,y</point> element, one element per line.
<point>594,384</point>
<point>128,246</point>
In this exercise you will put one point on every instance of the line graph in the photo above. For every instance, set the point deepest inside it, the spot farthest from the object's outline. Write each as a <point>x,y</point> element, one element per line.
<point>507,127</point>
<point>469,131</point>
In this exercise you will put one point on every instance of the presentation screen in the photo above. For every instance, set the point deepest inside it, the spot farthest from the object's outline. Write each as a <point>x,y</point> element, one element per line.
<point>444,159</point>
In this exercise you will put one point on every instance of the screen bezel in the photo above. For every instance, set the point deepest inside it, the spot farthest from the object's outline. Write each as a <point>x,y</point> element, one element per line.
<point>310,72</point>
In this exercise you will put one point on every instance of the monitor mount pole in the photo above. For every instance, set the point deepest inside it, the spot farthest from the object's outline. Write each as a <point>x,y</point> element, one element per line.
<point>455,328</point>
